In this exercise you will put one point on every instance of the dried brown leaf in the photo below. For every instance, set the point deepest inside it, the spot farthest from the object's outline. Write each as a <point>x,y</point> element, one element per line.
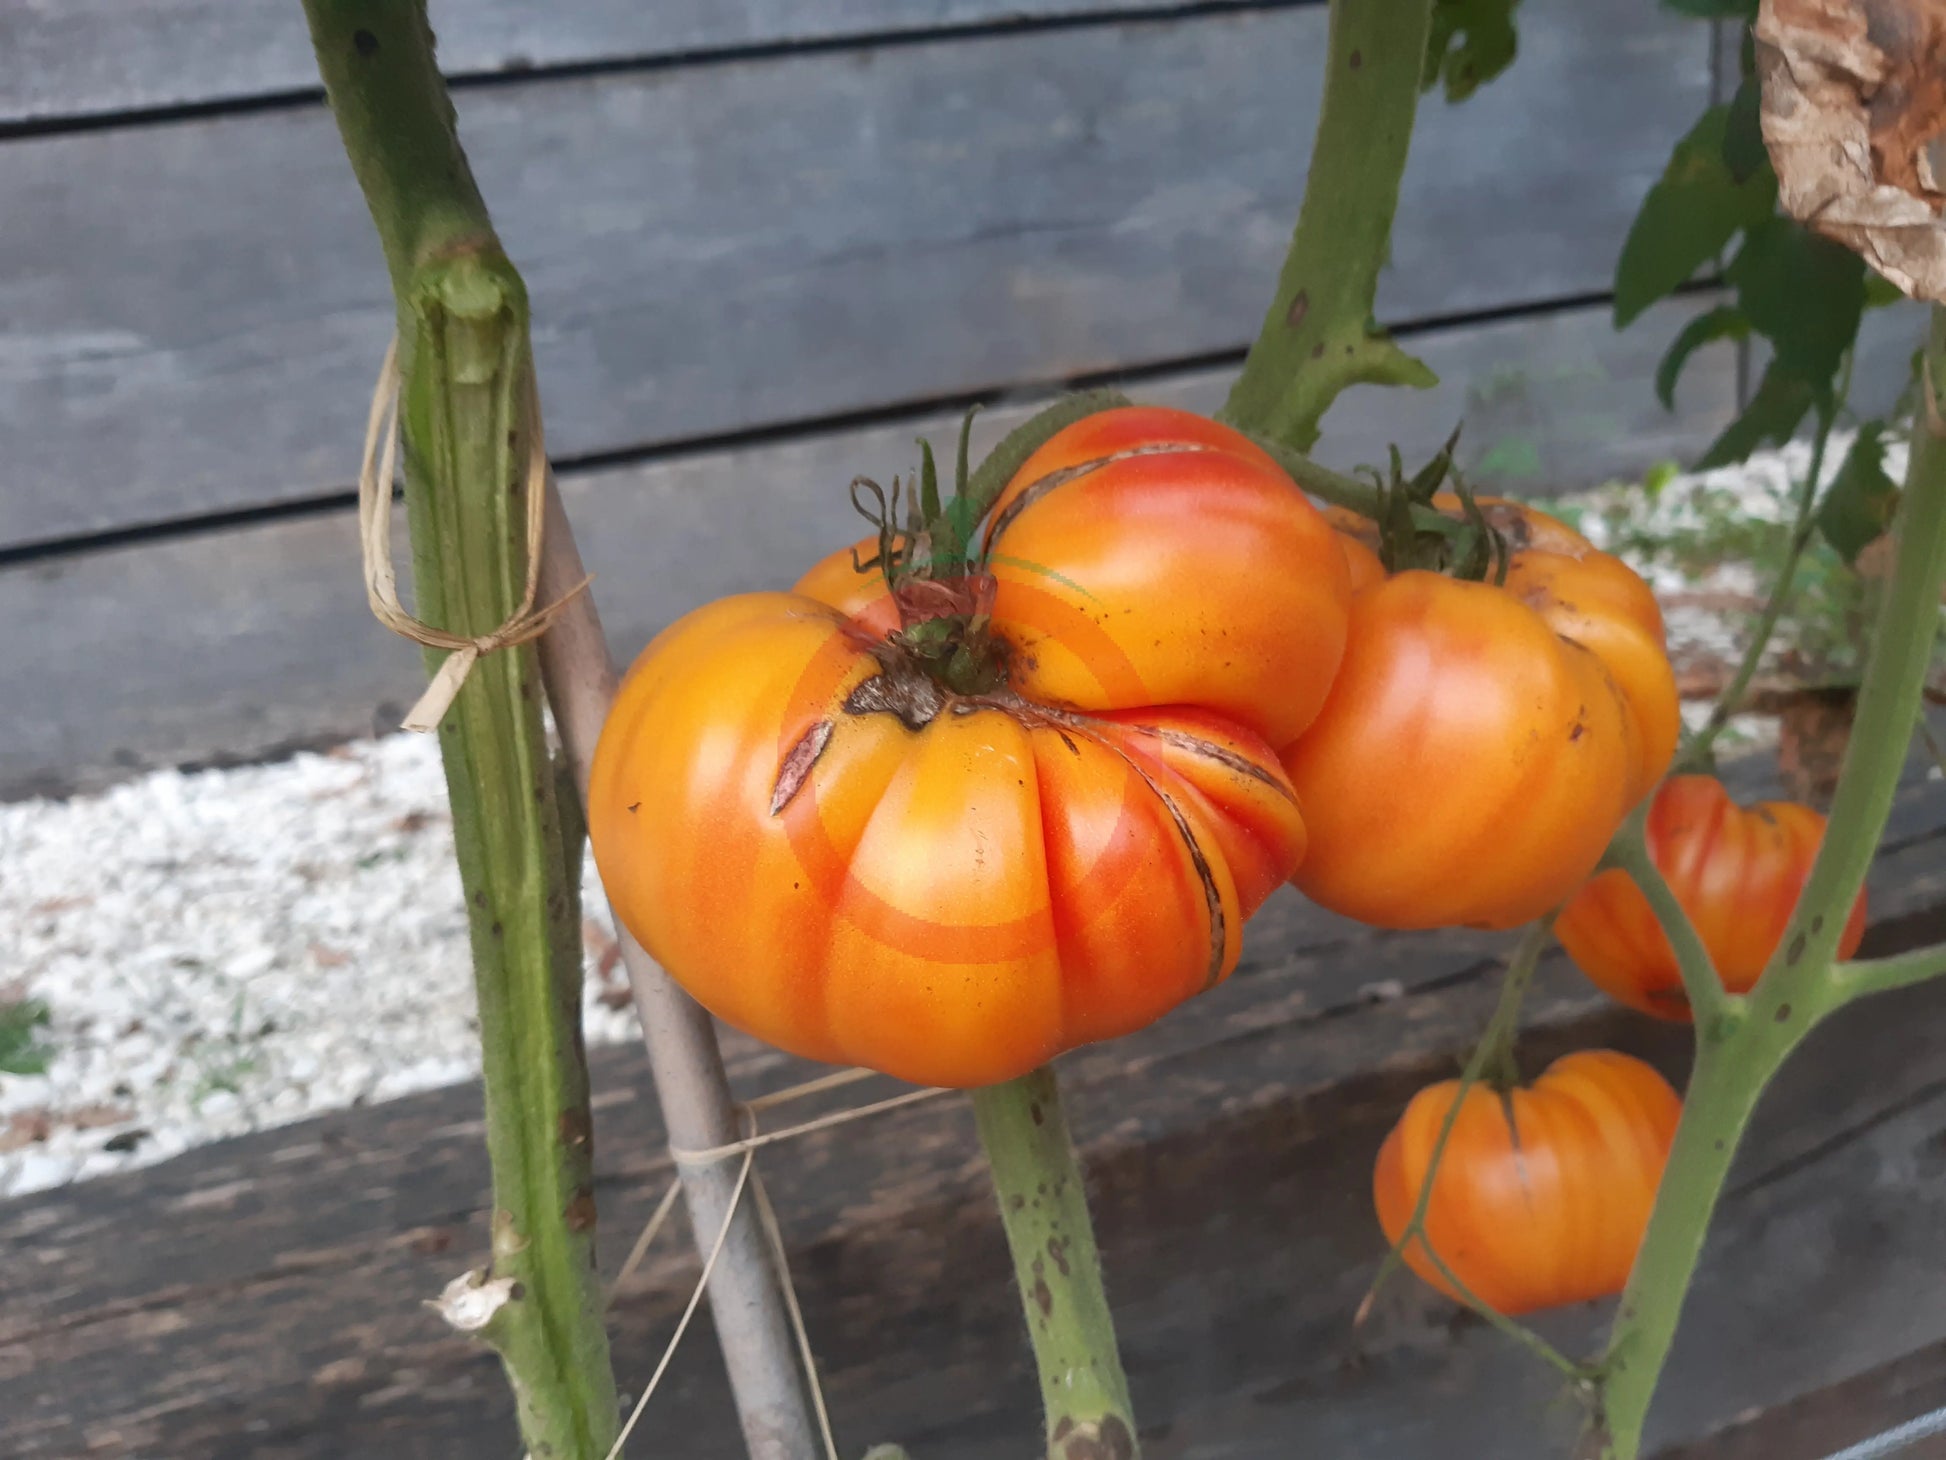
<point>1854,96</point>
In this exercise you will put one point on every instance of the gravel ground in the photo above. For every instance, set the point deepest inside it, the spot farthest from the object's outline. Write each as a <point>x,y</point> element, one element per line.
<point>230,950</point>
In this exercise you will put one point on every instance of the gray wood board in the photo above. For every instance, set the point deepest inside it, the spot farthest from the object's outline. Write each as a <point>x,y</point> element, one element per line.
<point>191,314</point>
<point>261,1297</point>
<point>236,643</point>
<point>93,58</point>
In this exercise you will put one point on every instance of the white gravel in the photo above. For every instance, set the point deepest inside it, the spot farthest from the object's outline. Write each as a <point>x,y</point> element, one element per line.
<point>230,950</point>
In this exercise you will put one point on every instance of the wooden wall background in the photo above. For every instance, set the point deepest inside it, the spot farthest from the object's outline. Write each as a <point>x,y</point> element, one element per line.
<point>768,244</point>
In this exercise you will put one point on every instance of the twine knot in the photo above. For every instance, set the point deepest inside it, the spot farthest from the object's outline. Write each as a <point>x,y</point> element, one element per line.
<point>376,472</point>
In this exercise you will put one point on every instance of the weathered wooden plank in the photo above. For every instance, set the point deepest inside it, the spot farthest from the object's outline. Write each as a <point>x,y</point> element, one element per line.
<point>93,58</point>
<point>236,643</point>
<point>1827,1421</point>
<point>191,314</point>
<point>1229,1151</point>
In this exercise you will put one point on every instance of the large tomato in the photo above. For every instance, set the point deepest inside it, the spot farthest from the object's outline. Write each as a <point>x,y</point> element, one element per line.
<point>1482,743</point>
<point>834,852</point>
<point>1736,872</point>
<point>1542,1194</point>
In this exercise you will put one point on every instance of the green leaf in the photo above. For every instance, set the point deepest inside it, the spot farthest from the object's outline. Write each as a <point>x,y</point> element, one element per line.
<point>1743,137</point>
<point>1781,401</point>
<point>1471,42</point>
<point>1881,291</point>
<point>1715,9</point>
<point>21,1053</point>
<point>1858,506</point>
<point>1804,294</point>
<point>1688,218</point>
<point>1725,322</point>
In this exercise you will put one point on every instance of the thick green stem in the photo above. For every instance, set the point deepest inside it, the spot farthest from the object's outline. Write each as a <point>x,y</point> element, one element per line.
<point>1736,1058</point>
<point>1724,1087</point>
<point>465,387</point>
<point>1881,975</point>
<point>1318,336</point>
<point>1044,1208</point>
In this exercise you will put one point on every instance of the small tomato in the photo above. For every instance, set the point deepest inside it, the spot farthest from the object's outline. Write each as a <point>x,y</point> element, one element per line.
<point>1737,873</point>
<point>1482,742</point>
<point>1542,1194</point>
<point>835,852</point>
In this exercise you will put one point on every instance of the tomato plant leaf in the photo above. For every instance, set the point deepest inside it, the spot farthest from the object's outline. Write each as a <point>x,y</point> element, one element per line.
<point>1881,291</point>
<point>1803,293</point>
<point>1743,138</point>
<point>1725,322</point>
<point>1471,42</point>
<point>1858,506</point>
<point>1688,218</point>
<point>1779,403</point>
<point>1714,9</point>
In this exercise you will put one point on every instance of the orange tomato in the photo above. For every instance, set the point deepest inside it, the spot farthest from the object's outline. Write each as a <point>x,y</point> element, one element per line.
<point>1542,1195</point>
<point>833,852</point>
<point>1481,744</point>
<point>1736,872</point>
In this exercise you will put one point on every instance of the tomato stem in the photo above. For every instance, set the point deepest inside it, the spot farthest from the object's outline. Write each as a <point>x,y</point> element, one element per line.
<point>1495,1045</point>
<point>466,377</point>
<point>1698,754</point>
<point>1044,1208</point>
<point>1317,335</point>
<point>1881,975</point>
<point>1801,984</point>
<point>1709,1003</point>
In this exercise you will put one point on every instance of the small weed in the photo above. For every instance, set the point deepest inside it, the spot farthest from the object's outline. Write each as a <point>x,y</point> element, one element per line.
<point>21,1049</point>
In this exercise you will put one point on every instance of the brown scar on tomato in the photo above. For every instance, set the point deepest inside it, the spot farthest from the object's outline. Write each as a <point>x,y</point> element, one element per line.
<point>1061,476</point>
<point>901,690</point>
<point>1222,755</point>
<point>1212,895</point>
<point>796,769</point>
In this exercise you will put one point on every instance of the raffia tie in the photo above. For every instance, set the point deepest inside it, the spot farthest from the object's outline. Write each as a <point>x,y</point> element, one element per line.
<point>376,473</point>
<point>749,1181</point>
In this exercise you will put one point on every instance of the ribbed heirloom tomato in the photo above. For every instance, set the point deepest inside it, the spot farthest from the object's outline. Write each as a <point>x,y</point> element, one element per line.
<point>1482,742</point>
<point>952,877</point>
<point>1541,1195</point>
<point>1737,873</point>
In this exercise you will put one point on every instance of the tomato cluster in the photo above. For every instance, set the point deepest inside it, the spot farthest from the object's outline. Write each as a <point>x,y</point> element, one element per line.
<point>1174,685</point>
<point>950,821</point>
